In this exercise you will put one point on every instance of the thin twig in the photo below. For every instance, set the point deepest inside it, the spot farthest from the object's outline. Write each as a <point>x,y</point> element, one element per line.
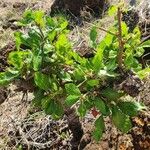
<point>144,39</point>
<point>103,29</point>
<point>36,144</point>
<point>82,83</point>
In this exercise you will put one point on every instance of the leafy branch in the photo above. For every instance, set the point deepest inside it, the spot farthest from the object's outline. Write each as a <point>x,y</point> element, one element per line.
<point>63,79</point>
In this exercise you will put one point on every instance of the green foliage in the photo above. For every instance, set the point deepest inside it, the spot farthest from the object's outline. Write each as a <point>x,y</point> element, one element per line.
<point>71,99</point>
<point>7,77</point>
<point>144,73</point>
<point>111,94</point>
<point>98,59</point>
<point>52,107</point>
<point>145,44</point>
<point>112,10</point>
<point>73,94</point>
<point>93,82</point>
<point>43,81</point>
<point>63,79</point>
<point>72,89</point>
<point>121,120</point>
<point>101,106</point>
<point>82,109</point>
<point>99,128</point>
<point>130,108</point>
<point>93,36</point>
<point>38,96</point>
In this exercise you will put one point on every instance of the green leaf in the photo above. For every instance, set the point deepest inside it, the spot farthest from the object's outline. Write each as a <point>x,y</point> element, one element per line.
<point>120,120</point>
<point>62,22</point>
<point>93,82</point>
<point>137,33</point>
<point>93,34</point>
<point>71,100</point>
<point>112,10</point>
<point>102,44</point>
<point>17,40</point>
<point>52,107</point>
<point>27,18</point>
<point>139,52</point>
<point>100,105</point>
<point>47,104</point>
<point>82,109</point>
<point>111,94</point>
<point>19,58</point>
<point>112,54</point>
<point>144,73</point>
<point>99,128</point>
<point>21,38</point>
<point>34,39</point>
<point>124,28</point>
<point>50,22</point>
<point>65,77</point>
<point>52,35</point>
<point>37,60</point>
<point>130,108</point>
<point>88,103</point>
<point>105,73</point>
<point>146,44</point>
<point>72,89</point>
<point>108,40</point>
<point>63,45</point>
<point>112,65</point>
<point>38,96</point>
<point>64,25</point>
<point>59,111</point>
<point>49,49</point>
<point>79,74</point>
<point>7,77</point>
<point>28,14</point>
<point>98,59</point>
<point>79,59</point>
<point>42,81</point>
<point>39,17</point>
<point>132,63</point>
<point>30,39</point>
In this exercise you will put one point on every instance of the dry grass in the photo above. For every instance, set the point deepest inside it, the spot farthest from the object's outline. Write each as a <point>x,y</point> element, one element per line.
<point>8,12</point>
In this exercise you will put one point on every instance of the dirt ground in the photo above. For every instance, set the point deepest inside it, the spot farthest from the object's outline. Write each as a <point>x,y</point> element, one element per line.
<point>12,10</point>
<point>24,127</point>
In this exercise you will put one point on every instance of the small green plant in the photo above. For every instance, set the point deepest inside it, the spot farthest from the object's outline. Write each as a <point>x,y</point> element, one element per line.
<point>61,78</point>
